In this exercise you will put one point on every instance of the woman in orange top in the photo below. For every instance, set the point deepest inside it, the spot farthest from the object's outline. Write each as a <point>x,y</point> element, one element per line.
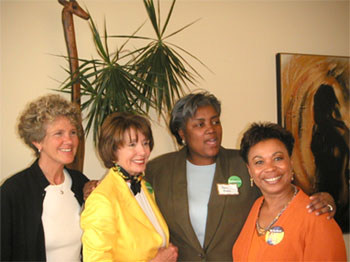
<point>279,227</point>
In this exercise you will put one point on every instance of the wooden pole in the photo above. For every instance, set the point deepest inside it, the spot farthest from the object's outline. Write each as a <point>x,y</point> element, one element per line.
<point>72,8</point>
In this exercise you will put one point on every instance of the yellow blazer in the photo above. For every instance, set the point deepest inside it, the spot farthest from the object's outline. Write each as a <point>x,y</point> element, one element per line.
<point>115,226</point>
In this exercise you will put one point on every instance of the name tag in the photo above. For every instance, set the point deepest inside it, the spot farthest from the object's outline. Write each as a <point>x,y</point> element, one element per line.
<point>227,189</point>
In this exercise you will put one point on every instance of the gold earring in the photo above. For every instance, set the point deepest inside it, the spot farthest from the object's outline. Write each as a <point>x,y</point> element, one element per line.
<point>183,142</point>
<point>251,182</point>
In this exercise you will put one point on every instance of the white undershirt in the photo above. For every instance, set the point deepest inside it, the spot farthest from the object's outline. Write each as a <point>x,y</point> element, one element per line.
<point>61,222</point>
<point>146,207</point>
<point>199,184</point>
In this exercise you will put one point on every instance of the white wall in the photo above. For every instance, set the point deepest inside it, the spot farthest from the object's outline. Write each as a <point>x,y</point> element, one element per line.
<point>238,40</point>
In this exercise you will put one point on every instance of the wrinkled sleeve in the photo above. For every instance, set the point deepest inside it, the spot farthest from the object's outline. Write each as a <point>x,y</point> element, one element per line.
<point>99,225</point>
<point>324,241</point>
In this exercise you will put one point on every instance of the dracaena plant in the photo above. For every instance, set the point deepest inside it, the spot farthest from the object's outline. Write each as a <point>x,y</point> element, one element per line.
<point>152,76</point>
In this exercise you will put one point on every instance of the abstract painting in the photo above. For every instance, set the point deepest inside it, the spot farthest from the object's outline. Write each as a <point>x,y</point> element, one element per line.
<point>313,99</point>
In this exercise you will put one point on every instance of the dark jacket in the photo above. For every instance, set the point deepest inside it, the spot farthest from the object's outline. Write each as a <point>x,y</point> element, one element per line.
<point>226,214</point>
<point>22,195</point>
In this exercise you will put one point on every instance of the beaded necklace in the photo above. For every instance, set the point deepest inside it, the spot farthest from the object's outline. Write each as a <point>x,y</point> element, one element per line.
<point>262,231</point>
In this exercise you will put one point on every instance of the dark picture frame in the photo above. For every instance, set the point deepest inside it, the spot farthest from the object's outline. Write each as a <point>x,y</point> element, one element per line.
<point>313,99</point>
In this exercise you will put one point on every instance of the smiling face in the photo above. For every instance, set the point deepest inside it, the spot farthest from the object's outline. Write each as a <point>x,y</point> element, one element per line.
<point>270,166</point>
<point>59,146</point>
<point>203,134</point>
<point>134,153</point>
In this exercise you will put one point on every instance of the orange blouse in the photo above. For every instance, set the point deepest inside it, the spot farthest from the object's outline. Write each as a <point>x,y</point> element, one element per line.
<point>301,237</point>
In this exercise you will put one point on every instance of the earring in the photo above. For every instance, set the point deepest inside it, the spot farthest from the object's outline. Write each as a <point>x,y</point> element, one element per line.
<point>183,142</point>
<point>251,182</point>
<point>39,150</point>
<point>292,175</point>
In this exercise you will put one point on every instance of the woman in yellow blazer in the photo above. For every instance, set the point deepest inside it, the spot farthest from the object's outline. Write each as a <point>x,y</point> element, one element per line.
<point>121,220</point>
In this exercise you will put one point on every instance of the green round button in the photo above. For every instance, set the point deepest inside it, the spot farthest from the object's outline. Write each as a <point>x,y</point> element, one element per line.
<point>235,180</point>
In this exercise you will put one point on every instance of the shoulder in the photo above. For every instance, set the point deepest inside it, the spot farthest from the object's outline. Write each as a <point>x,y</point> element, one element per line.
<point>230,154</point>
<point>107,186</point>
<point>300,202</point>
<point>165,162</point>
<point>164,158</point>
<point>18,180</point>
<point>106,191</point>
<point>317,231</point>
<point>310,219</point>
<point>229,151</point>
<point>230,161</point>
<point>302,198</point>
<point>99,202</point>
<point>25,186</point>
<point>77,176</point>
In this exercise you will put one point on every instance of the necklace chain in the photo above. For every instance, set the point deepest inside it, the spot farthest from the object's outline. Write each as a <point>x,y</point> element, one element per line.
<point>59,186</point>
<point>262,231</point>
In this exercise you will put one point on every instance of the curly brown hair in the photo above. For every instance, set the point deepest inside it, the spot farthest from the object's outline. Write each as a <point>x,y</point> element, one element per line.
<point>43,111</point>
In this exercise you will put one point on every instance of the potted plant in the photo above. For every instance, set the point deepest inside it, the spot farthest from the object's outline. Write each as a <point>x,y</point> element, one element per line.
<point>152,76</point>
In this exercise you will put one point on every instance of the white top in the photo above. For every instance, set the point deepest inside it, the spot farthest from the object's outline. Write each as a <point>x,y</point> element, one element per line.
<point>61,222</point>
<point>146,207</point>
<point>199,184</point>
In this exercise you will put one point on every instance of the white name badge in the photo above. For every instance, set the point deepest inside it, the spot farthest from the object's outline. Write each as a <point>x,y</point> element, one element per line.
<point>227,189</point>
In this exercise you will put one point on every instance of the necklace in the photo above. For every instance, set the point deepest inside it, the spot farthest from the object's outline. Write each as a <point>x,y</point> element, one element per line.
<point>262,231</point>
<point>135,181</point>
<point>58,186</point>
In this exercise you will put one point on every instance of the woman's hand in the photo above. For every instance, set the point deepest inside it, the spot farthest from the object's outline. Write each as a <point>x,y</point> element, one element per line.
<point>322,203</point>
<point>89,187</point>
<point>168,254</point>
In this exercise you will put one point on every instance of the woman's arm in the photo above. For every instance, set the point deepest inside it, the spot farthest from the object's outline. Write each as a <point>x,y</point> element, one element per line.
<point>6,226</point>
<point>324,240</point>
<point>166,254</point>
<point>99,225</point>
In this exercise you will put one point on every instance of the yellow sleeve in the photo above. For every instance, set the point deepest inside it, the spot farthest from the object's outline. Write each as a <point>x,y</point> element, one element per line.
<point>99,225</point>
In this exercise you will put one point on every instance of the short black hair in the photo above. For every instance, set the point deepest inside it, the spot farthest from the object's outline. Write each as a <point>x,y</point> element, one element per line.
<point>186,107</point>
<point>258,132</point>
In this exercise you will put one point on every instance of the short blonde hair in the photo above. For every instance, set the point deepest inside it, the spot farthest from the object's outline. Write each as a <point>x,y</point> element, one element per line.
<point>111,134</point>
<point>43,111</point>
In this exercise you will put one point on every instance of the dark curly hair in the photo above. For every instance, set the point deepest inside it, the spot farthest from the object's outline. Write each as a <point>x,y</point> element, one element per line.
<point>258,132</point>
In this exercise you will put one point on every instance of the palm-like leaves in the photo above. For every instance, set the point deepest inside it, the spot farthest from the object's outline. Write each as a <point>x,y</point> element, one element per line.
<point>108,85</point>
<point>153,76</point>
<point>161,66</point>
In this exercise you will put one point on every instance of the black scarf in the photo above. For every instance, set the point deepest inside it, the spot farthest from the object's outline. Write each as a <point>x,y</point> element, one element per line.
<point>135,181</point>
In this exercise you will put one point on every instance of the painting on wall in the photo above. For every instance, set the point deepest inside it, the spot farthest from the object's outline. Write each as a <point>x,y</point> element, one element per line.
<point>314,104</point>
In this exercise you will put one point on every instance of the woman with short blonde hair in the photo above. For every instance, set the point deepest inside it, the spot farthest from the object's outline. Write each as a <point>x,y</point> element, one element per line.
<point>41,205</point>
